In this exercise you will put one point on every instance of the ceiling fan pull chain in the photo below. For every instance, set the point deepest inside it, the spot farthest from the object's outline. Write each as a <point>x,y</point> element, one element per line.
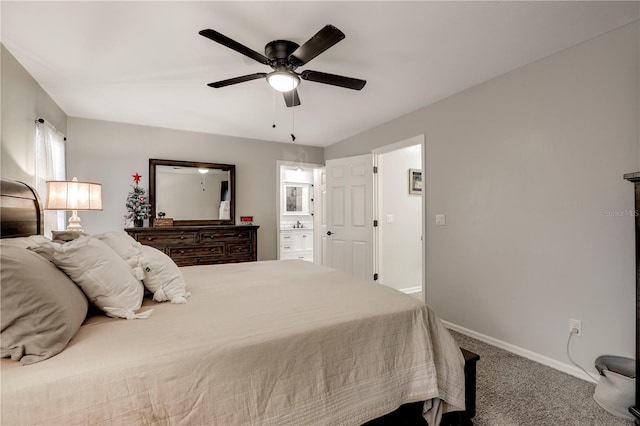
<point>273,108</point>
<point>293,124</point>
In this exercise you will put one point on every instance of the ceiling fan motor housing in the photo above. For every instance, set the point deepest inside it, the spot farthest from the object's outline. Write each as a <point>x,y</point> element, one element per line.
<point>278,52</point>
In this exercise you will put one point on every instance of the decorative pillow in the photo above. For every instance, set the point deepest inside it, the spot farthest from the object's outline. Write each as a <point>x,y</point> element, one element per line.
<point>127,248</point>
<point>163,277</point>
<point>42,309</point>
<point>102,275</point>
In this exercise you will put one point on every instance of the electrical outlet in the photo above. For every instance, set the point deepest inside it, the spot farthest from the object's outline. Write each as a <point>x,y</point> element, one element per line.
<point>575,327</point>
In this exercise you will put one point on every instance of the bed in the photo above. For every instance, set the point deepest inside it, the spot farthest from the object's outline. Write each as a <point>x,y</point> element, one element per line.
<point>258,343</point>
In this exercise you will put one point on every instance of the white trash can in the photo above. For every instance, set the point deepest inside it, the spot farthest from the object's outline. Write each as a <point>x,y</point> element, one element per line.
<point>615,391</point>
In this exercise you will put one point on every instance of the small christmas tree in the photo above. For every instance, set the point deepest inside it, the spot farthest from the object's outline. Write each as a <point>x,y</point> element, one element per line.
<point>137,207</point>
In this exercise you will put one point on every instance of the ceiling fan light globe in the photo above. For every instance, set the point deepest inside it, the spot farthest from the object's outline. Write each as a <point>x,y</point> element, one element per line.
<point>283,81</point>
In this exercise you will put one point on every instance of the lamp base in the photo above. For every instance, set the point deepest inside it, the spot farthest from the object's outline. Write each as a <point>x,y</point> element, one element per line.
<point>74,223</point>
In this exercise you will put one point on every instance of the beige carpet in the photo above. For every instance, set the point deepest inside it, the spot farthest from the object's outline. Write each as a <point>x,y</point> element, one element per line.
<point>514,391</point>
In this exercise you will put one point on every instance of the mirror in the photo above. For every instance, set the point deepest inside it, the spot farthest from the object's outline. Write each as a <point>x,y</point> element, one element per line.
<point>296,198</point>
<point>192,193</point>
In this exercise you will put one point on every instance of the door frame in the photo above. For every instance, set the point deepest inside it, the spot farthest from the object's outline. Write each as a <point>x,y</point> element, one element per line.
<point>415,140</point>
<point>279,165</point>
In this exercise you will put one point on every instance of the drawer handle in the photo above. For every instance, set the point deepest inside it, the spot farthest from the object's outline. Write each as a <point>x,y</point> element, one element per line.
<point>149,238</point>
<point>181,251</point>
<point>304,236</point>
<point>213,250</point>
<point>182,238</point>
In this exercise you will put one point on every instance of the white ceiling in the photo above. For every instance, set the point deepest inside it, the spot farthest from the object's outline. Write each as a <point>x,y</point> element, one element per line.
<point>144,62</point>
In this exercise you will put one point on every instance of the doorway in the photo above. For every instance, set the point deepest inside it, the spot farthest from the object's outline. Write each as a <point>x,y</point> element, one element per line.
<point>296,206</point>
<point>400,209</point>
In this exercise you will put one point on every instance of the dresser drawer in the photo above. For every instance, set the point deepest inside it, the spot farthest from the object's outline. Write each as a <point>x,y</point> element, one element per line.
<point>197,251</point>
<point>155,239</point>
<point>191,261</point>
<point>226,235</point>
<point>240,249</point>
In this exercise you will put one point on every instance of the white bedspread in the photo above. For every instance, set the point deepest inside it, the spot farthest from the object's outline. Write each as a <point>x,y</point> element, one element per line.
<point>261,343</point>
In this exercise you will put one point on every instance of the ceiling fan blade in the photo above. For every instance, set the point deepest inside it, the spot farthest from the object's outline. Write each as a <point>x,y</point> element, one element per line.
<point>324,39</point>
<point>232,44</point>
<point>291,98</point>
<point>236,80</point>
<point>332,79</point>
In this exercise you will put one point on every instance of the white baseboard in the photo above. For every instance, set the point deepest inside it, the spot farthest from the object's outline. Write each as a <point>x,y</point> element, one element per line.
<point>411,290</point>
<point>550,362</point>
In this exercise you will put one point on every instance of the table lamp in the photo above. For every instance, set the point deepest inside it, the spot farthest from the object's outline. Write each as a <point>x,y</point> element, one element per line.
<point>73,195</point>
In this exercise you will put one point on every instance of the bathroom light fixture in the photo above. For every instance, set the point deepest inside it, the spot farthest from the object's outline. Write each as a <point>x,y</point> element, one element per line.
<point>73,195</point>
<point>203,171</point>
<point>283,81</point>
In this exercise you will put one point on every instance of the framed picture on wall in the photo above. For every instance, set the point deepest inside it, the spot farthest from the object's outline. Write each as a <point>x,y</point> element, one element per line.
<point>415,181</point>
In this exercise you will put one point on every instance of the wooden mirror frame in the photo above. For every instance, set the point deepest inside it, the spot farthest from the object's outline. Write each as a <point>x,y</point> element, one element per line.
<point>231,168</point>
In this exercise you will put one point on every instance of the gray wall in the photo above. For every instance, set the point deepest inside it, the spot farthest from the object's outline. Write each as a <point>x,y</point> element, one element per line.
<point>109,153</point>
<point>528,169</point>
<point>23,101</point>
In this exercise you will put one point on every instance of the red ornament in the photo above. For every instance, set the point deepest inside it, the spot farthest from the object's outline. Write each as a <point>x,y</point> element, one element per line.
<point>136,178</point>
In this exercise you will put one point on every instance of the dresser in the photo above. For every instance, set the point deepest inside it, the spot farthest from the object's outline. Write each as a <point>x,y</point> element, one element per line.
<point>202,245</point>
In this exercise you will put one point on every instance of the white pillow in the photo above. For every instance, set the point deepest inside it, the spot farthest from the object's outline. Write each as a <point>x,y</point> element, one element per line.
<point>163,277</point>
<point>103,276</point>
<point>25,242</point>
<point>127,248</point>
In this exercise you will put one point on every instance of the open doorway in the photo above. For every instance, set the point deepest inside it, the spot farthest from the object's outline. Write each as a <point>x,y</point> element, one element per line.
<point>296,206</point>
<point>400,210</point>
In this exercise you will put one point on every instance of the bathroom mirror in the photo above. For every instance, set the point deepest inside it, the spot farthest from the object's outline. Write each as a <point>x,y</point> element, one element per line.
<point>296,199</point>
<point>192,193</point>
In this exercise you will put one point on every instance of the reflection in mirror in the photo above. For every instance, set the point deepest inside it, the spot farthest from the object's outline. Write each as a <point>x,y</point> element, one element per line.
<point>187,193</point>
<point>192,193</point>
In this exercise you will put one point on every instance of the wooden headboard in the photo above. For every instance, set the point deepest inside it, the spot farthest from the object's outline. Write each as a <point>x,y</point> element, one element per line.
<point>20,210</point>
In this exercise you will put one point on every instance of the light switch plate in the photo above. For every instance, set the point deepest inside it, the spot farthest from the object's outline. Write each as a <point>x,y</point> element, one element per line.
<point>441,220</point>
<point>389,218</point>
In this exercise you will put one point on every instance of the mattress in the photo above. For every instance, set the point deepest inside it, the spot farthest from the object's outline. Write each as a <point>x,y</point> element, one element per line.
<point>258,343</point>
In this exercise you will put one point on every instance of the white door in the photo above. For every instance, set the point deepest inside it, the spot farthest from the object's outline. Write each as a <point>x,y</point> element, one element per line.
<point>348,240</point>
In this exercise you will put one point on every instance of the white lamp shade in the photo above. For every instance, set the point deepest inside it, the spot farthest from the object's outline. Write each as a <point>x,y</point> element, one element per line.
<point>283,81</point>
<point>73,195</point>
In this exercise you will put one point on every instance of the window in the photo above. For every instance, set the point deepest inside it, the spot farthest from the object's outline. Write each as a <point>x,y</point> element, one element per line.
<point>50,165</point>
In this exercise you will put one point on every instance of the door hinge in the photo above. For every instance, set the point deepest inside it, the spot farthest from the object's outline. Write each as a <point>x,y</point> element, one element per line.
<point>375,277</point>
<point>375,169</point>
<point>375,223</point>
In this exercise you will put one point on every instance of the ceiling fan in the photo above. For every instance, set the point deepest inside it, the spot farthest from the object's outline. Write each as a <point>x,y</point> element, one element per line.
<point>285,57</point>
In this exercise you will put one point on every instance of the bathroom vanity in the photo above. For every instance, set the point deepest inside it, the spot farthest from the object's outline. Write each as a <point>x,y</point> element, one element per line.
<point>296,243</point>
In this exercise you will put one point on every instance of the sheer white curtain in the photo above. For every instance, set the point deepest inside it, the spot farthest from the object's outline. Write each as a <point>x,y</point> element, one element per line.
<point>50,165</point>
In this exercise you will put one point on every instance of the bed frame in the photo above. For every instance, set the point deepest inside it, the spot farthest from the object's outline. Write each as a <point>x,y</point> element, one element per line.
<point>20,210</point>
<point>21,216</point>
